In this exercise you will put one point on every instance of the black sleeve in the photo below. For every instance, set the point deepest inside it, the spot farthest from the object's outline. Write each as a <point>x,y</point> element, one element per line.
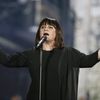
<point>16,60</point>
<point>89,60</point>
<point>3,57</point>
<point>84,60</point>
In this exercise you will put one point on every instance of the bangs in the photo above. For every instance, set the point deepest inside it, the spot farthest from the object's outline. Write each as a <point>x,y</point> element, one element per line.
<point>49,21</point>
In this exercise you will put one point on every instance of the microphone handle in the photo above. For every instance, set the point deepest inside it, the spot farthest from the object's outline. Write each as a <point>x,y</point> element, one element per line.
<point>42,40</point>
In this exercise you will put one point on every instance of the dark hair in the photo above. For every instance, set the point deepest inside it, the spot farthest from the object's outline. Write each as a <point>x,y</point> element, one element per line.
<point>59,43</point>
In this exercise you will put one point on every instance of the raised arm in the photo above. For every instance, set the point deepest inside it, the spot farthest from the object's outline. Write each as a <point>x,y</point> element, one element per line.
<point>3,57</point>
<point>16,60</point>
<point>83,60</point>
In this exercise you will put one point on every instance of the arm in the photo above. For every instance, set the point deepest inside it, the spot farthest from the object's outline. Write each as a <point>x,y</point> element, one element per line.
<point>17,60</point>
<point>3,57</point>
<point>89,60</point>
<point>82,60</point>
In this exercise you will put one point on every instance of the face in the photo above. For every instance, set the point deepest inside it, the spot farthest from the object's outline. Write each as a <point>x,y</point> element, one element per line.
<point>50,30</point>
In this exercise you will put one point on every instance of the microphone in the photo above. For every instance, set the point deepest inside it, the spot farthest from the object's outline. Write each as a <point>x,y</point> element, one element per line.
<point>42,40</point>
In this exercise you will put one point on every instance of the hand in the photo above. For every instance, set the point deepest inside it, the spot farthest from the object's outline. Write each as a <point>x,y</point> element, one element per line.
<point>99,54</point>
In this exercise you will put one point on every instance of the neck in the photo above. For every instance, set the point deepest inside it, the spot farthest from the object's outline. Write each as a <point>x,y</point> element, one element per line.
<point>48,46</point>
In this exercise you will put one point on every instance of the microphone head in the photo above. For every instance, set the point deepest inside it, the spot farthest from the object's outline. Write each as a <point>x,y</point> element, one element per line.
<point>42,40</point>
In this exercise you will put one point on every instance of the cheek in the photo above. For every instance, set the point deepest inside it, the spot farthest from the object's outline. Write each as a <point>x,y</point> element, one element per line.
<point>41,33</point>
<point>53,35</point>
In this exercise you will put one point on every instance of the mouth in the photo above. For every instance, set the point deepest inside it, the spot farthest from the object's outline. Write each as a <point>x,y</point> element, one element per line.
<point>46,34</point>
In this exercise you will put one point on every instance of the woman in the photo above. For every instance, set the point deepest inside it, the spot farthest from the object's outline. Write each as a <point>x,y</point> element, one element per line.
<point>60,64</point>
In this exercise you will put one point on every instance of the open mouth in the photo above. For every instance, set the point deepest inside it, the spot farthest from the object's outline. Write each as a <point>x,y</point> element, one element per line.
<point>46,34</point>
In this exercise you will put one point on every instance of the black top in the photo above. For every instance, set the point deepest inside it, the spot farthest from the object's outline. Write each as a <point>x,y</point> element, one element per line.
<point>58,82</point>
<point>50,77</point>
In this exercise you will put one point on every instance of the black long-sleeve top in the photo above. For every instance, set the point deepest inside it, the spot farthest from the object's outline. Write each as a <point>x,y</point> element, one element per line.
<point>60,69</point>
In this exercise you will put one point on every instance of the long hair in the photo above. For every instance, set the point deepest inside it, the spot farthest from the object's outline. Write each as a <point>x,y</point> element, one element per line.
<point>59,42</point>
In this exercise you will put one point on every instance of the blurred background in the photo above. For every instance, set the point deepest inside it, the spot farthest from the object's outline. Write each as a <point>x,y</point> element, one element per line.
<point>19,19</point>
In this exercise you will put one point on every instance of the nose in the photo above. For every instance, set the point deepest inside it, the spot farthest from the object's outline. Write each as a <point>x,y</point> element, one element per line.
<point>46,28</point>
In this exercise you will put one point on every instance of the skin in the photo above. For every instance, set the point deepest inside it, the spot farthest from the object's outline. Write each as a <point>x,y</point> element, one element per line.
<point>49,44</point>
<point>16,97</point>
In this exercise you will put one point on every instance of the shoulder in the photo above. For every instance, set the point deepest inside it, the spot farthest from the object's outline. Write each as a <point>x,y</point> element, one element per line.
<point>30,51</point>
<point>25,52</point>
<point>73,51</point>
<point>69,49</point>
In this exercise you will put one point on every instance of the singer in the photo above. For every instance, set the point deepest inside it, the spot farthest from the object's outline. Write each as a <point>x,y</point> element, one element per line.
<point>60,64</point>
